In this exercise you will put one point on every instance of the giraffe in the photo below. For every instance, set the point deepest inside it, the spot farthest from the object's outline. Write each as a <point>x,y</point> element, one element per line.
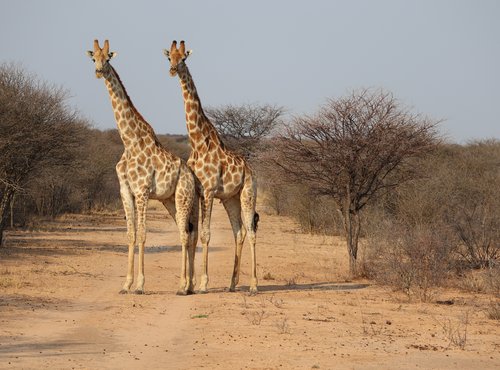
<point>222,174</point>
<point>146,171</point>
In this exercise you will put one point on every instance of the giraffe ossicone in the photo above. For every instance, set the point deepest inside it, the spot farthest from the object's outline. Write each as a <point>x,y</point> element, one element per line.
<point>146,171</point>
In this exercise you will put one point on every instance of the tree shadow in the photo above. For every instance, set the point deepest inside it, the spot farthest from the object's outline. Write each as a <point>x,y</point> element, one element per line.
<point>30,303</point>
<point>38,246</point>
<point>154,249</point>
<point>49,348</point>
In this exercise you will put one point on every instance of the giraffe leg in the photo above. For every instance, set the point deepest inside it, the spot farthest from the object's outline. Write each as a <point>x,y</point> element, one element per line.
<point>206,213</point>
<point>180,215</point>
<point>141,204</point>
<point>187,199</point>
<point>250,219</point>
<point>193,239</point>
<point>128,206</point>
<point>233,209</point>
<point>170,205</point>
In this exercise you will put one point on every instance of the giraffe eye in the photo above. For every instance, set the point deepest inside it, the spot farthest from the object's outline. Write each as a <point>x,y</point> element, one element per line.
<point>93,59</point>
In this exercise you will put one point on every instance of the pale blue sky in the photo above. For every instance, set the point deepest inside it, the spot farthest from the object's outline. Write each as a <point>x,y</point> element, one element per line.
<point>439,57</point>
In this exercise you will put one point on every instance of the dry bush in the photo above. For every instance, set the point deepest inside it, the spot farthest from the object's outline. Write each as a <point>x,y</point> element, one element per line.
<point>88,184</point>
<point>315,214</point>
<point>40,134</point>
<point>413,259</point>
<point>97,175</point>
<point>450,214</point>
<point>493,311</point>
<point>474,204</point>
<point>176,144</point>
<point>275,196</point>
<point>480,281</point>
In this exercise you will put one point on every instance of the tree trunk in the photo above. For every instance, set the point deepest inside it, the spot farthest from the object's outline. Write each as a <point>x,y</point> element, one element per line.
<point>12,212</point>
<point>352,229</point>
<point>6,199</point>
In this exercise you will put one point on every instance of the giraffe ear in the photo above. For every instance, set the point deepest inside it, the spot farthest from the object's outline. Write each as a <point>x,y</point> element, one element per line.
<point>112,54</point>
<point>188,53</point>
<point>167,53</point>
<point>90,53</point>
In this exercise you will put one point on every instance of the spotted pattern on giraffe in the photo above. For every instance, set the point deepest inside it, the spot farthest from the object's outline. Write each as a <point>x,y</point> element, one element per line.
<point>222,174</point>
<point>146,171</point>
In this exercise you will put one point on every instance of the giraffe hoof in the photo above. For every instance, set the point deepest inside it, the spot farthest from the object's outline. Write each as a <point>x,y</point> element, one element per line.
<point>182,292</point>
<point>202,291</point>
<point>139,291</point>
<point>123,291</point>
<point>253,291</point>
<point>232,289</point>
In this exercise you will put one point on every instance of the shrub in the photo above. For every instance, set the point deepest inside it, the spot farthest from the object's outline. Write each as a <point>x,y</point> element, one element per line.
<point>412,258</point>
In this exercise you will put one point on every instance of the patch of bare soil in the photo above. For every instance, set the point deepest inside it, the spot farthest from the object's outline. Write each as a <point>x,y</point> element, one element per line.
<point>60,307</point>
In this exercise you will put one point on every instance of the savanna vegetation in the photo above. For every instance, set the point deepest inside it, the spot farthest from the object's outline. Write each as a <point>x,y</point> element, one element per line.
<point>52,160</point>
<point>417,212</point>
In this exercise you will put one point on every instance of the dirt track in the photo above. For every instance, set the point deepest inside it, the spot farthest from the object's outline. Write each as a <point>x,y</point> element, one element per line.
<point>60,307</point>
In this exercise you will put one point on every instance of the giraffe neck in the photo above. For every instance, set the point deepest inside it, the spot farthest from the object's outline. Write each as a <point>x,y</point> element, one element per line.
<point>133,128</point>
<point>200,130</point>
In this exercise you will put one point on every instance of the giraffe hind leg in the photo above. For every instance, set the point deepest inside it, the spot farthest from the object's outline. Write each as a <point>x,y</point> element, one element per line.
<point>183,226</point>
<point>206,204</point>
<point>250,220</point>
<point>193,240</point>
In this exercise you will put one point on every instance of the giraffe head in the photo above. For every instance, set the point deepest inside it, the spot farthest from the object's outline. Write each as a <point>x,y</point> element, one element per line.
<point>101,57</point>
<point>177,57</point>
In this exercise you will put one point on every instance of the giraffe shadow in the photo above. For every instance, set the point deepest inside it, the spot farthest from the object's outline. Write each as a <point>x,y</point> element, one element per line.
<point>324,286</point>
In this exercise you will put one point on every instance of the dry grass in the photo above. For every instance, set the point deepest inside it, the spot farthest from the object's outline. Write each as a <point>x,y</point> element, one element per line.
<point>268,276</point>
<point>256,317</point>
<point>493,311</point>
<point>8,280</point>
<point>456,332</point>
<point>283,326</point>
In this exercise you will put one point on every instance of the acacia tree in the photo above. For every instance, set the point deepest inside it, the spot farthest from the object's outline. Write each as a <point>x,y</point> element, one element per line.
<point>38,131</point>
<point>244,127</point>
<point>353,149</point>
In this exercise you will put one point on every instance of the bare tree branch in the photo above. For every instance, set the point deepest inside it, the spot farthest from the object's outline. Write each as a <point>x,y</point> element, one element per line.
<point>244,127</point>
<point>353,149</point>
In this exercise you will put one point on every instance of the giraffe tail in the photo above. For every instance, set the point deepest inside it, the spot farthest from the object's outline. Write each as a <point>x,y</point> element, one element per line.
<point>255,221</point>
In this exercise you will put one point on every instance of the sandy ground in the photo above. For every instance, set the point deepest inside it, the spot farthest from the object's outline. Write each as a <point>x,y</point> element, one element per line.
<point>60,307</point>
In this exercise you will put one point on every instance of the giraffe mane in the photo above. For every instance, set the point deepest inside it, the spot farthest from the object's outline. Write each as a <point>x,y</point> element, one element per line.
<point>133,108</point>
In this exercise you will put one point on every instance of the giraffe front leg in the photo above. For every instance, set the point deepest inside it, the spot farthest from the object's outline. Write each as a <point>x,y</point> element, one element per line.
<point>233,209</point>
<point>206,213</point>
<point>128,206</point>
<point>141,207</point>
